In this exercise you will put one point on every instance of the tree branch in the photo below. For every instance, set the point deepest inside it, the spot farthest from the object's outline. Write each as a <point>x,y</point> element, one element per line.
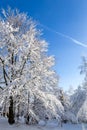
<point>4,72</point>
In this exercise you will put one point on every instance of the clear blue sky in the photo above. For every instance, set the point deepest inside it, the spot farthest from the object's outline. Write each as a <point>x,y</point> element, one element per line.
<point>65,16</point>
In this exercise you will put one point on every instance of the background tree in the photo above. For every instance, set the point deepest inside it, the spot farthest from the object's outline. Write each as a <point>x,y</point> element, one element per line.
<point>83,70</point>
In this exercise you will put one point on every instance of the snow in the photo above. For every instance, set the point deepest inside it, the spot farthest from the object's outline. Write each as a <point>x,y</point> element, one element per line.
<point>50,125</point>
<point>42,123</point>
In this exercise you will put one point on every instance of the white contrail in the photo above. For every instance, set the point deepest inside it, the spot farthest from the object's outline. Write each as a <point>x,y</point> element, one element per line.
<point>66,36</point>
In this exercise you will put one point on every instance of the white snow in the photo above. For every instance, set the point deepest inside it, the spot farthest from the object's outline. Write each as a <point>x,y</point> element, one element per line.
<point>42,123</point>
<point>51,125</point>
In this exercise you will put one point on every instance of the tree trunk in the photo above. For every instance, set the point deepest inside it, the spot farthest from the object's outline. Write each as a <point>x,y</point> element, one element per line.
<point>11,113</point>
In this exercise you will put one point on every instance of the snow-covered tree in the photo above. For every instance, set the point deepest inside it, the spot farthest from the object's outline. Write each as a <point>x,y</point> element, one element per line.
<point>79,97</point>
<point>25,67</point>
<point>78,101</point>
<point>83,70</point>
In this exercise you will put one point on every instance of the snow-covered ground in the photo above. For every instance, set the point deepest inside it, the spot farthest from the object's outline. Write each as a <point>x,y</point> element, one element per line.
<point>49,126</point>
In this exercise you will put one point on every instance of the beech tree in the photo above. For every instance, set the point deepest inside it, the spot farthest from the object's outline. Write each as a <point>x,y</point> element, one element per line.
<point>25,67</point>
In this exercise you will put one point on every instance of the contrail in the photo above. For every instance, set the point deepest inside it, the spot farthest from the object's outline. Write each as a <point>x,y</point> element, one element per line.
<point>66,36</point>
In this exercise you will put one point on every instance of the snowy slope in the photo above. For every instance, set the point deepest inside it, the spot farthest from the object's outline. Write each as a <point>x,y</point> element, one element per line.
<point>50,126</point>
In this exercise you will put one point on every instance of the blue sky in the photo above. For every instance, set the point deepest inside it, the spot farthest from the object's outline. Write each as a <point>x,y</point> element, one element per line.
<point>68,17</point>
